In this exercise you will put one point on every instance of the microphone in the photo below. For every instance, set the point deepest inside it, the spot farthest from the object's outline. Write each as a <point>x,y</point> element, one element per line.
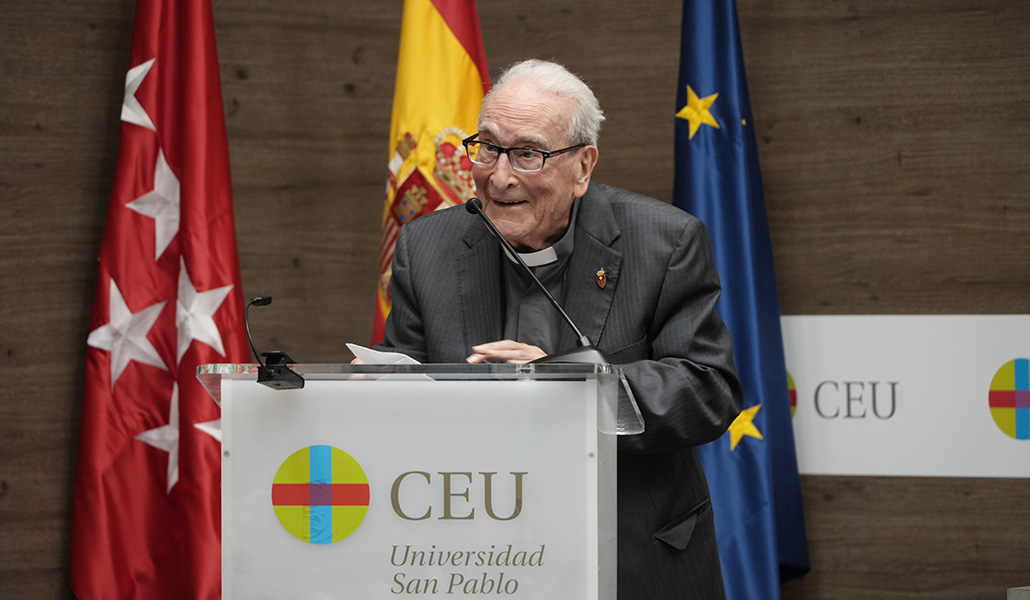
<point>585,351</point>
<point>273,371</point>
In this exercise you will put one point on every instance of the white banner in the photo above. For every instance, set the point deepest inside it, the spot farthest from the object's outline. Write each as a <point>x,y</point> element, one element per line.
<point>911,395</point>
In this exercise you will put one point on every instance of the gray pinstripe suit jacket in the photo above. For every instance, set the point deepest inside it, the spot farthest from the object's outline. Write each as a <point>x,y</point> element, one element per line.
<point>655,316</point>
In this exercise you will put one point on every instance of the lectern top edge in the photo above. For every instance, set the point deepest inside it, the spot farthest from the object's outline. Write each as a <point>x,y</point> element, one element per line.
<point>210,375</point>
<point>619,397</point>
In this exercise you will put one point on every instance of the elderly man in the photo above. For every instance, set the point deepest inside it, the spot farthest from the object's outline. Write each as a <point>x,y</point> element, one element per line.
<point>635,274</point>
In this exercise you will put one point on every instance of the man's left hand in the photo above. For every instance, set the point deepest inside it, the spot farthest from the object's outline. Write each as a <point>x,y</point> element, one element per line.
<point>508,351</point>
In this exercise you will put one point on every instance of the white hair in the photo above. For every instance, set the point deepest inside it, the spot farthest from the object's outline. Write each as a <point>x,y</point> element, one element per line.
<point>552,77</point>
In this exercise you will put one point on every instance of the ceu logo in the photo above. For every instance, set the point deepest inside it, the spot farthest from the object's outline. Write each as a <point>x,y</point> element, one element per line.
<point>1010,398</point>
<point>320,494</point>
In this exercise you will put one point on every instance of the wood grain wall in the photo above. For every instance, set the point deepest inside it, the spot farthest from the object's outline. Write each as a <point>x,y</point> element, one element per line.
<point>894,145</point>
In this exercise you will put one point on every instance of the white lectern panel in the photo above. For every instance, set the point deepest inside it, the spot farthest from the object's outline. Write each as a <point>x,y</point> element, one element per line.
<point>403,487</point>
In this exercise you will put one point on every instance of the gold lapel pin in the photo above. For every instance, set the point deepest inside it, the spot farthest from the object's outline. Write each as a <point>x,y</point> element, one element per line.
<point>601,277</point>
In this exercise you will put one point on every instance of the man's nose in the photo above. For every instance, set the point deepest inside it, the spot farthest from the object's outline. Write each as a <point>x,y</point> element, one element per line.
<point>502,171</point>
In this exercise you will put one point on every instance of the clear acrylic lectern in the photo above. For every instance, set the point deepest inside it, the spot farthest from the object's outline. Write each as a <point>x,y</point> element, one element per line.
<point>462,481</point>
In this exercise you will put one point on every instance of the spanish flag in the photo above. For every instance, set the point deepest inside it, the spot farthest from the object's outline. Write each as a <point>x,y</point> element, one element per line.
<point>441,80</point>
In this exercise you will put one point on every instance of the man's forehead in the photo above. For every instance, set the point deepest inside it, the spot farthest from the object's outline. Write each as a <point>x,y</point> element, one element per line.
<point>521,113</point>
<point>514,138</point>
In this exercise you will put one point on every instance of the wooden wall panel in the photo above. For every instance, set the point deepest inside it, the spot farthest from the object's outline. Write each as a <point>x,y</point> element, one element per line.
<point>906,538</point>
<point>894,148</point>
<point>62,71</point>
<point>894,153</point>
<point>308,89</point>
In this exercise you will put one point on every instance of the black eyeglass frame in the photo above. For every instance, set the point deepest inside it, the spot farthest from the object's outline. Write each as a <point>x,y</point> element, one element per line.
<point>502,150</point>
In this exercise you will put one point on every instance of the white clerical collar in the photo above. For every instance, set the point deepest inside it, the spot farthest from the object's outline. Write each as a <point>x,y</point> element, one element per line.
<point>535,259</point>
<point>560,250</point>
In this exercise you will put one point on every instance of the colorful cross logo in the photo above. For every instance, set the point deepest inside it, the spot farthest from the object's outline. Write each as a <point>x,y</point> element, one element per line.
<point>320,494</point>
<point>1010,398</point>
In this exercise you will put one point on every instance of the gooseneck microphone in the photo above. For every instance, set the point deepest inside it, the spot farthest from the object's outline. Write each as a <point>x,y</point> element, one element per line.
<point>259,301</point>
<point>585,352</point>
<point>273,371</point>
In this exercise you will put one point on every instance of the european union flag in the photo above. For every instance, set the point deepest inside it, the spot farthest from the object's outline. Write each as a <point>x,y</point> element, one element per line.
<point>752,470</point>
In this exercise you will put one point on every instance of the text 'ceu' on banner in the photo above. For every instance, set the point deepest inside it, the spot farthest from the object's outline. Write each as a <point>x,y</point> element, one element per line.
<point>911,395</point>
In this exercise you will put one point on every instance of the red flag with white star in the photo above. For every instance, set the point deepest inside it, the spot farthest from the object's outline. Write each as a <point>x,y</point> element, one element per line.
<point>146,515</point>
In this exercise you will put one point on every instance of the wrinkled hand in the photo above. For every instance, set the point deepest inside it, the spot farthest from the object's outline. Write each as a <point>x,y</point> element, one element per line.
<point>359,376</point>
<point>505,351</point>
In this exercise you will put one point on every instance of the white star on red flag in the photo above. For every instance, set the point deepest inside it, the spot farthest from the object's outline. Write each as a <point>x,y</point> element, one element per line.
<point>161,204</point>
<point>194,311</point>
<point>132,110</point>
<point>212,428</point>
<point>166,438</point>
<point>125,335</point>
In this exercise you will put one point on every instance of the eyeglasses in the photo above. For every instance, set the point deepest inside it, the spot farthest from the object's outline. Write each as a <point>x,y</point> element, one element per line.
<point>527,160</point>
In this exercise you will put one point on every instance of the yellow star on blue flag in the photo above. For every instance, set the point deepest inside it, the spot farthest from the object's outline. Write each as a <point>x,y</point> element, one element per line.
<point>743,425</point>
<point>698,111</point>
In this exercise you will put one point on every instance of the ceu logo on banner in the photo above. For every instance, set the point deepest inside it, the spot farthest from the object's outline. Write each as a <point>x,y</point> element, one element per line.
<point>320,494</point>
<point>1010,398</point>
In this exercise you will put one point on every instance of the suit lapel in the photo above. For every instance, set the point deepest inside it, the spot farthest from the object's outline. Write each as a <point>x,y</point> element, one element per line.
<point>587,302</point>
<point>479,287</point>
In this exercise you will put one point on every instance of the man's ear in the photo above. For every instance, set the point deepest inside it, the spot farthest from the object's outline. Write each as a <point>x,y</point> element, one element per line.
<point>587,160</point>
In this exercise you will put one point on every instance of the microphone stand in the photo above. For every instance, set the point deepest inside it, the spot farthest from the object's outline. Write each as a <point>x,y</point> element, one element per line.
<point>274,371</point>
